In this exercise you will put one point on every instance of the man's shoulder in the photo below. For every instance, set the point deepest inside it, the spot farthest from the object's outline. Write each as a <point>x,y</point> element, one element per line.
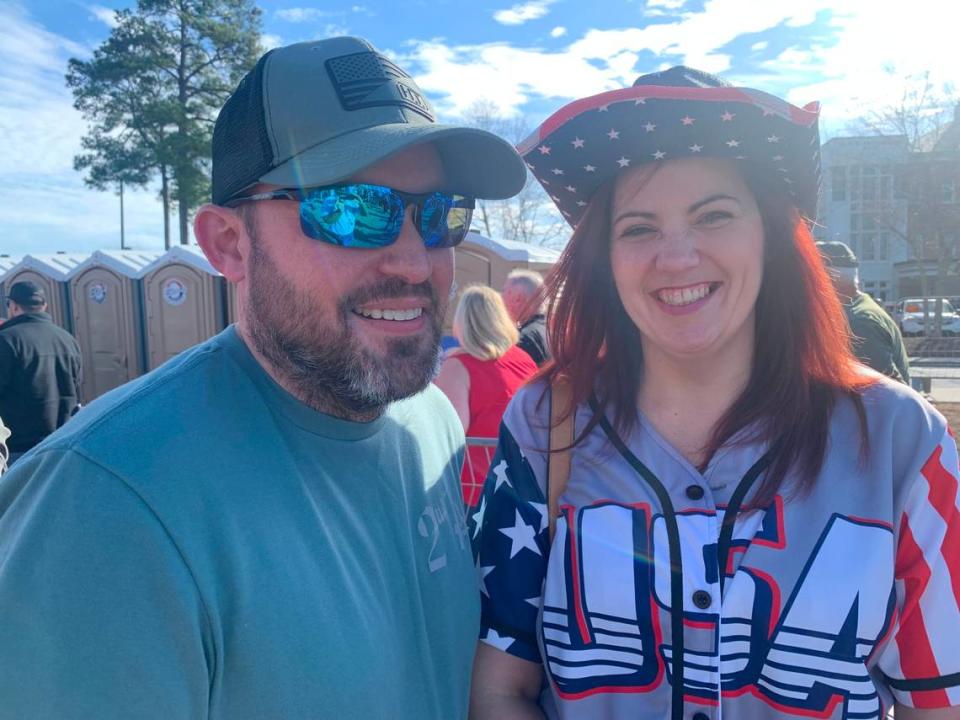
<point>171,399</point>
<point>536,323</point>
<point>429,405</point>
<point>32,325</point>
<point>867,311</point>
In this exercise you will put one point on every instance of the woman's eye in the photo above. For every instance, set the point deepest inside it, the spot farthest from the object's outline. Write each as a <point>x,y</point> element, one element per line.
<point>715,217</point>
<point>639,231</point>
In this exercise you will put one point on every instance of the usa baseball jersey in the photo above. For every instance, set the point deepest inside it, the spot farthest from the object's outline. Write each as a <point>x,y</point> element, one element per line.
<point>661,597</point>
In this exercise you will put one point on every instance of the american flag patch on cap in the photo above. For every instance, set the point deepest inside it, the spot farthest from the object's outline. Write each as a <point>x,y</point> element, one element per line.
<point>368,79</point>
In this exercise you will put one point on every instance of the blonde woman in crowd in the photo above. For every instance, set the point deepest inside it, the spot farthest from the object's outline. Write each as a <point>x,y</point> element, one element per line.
<point>481,375</point>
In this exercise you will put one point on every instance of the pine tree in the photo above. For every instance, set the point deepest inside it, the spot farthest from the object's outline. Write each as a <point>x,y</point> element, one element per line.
<point>152,91</point>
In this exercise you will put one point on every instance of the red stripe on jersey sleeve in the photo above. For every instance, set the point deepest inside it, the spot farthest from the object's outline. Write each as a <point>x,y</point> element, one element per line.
<point>943,497</point>
<point>917,660</point>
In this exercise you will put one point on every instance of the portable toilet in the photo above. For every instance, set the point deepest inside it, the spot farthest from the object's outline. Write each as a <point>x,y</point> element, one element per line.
<point>482,260</point>
<point>108,317</point>
<point>184,303</point>
<point>7,262</point>
<point>51,273</point>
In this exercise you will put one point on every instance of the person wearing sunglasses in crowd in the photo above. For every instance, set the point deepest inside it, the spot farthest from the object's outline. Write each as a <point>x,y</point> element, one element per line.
<point>706,507</point>
<point>270,525</point>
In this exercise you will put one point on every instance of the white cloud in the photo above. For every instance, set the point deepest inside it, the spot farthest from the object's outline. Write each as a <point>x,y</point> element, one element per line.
<point>105,15</point>
<point>333,30</point>
<point>455,77</point>
<point>519,14</point>
<point>844,75</point>
<point>758,46</point>
<point>299,14</point>
<point>45,206</point>
<point>877,47</point>
<point>665,4</point>
<point>268,42</point>
<point>558,31</point>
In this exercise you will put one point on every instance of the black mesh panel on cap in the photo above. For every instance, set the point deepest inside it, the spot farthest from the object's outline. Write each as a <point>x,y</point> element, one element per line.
<point>241,147</point>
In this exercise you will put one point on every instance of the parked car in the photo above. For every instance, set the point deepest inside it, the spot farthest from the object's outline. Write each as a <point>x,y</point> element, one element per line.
<point>910,316</point>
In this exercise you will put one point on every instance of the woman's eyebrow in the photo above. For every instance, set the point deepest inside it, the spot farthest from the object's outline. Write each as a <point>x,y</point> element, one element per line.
<point>707,200</point>
<point>635,214</point>
<point>693,208</point>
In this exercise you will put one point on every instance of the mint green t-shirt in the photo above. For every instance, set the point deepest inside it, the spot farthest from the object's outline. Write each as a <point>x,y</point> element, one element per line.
<point>200,544</point>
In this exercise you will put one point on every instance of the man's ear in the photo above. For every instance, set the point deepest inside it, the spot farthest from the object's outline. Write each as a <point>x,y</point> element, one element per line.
<point>220,233</point>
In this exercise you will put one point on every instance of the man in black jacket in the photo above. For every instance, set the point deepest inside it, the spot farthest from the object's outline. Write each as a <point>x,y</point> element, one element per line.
<point>520,296</point>
<point>39,370</point>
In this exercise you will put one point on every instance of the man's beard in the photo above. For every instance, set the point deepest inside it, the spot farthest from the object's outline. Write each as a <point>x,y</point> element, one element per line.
<point>320,360</point>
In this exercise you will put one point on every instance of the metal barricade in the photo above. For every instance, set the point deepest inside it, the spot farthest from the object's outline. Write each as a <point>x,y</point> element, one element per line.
<point>933,359</point>
<point>476,462</point>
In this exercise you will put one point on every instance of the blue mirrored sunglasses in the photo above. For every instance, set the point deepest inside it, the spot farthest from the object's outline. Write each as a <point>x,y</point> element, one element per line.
<point>360,215</point>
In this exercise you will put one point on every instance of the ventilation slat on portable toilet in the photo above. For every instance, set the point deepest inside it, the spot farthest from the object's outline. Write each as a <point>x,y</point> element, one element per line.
<point>108,319</point>
<point>7,263</point>
<point>183,303</point>
<point>50,272</point>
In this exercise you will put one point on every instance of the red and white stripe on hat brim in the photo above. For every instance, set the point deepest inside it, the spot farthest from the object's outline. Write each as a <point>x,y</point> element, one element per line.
<point>805,116</point>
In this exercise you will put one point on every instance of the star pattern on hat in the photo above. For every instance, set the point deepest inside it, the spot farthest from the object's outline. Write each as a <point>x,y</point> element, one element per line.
<point>589,149</point>
<point>603,108</point>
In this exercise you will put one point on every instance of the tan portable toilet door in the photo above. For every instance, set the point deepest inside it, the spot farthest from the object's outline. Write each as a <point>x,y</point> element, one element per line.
<point>180,308</point>
<point>469,268</point>
<point>103,317</point>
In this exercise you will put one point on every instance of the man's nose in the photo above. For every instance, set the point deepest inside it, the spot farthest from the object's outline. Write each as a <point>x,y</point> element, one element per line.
<point>407,258</point>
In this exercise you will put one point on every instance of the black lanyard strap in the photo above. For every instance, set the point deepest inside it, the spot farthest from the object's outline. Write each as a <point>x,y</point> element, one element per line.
<point>676,563</point>
<point>733,509</point>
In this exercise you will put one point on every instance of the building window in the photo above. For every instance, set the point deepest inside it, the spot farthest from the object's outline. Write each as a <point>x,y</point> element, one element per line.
<point>838,183</point>
<point>878,290</point>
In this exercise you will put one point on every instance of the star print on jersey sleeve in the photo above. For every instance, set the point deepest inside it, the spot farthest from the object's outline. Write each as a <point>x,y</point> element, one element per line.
<point>510,537</point>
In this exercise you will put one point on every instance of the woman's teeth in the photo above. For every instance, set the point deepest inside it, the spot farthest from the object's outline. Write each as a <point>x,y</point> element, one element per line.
<point>377,314</point>
<point>683,296</point>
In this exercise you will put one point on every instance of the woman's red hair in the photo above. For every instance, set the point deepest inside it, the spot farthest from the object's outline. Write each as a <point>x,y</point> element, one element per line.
<point>802,361</point>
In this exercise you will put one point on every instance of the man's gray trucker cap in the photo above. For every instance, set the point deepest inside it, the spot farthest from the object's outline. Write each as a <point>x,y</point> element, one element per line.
<point>315,113</point>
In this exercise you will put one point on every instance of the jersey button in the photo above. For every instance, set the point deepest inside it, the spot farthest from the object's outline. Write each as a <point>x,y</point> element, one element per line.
<point>701,716</point>
<point>702,599</point>
<point>694,492</point>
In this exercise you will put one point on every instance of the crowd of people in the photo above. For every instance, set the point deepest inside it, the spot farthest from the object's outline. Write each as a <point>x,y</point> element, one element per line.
<point>700,503</point>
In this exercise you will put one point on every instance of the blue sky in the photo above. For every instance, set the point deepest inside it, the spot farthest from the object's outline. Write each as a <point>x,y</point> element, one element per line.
<point>528,58</point>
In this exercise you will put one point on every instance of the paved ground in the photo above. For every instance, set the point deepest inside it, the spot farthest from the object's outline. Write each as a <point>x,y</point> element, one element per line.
<point>945,390</point>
